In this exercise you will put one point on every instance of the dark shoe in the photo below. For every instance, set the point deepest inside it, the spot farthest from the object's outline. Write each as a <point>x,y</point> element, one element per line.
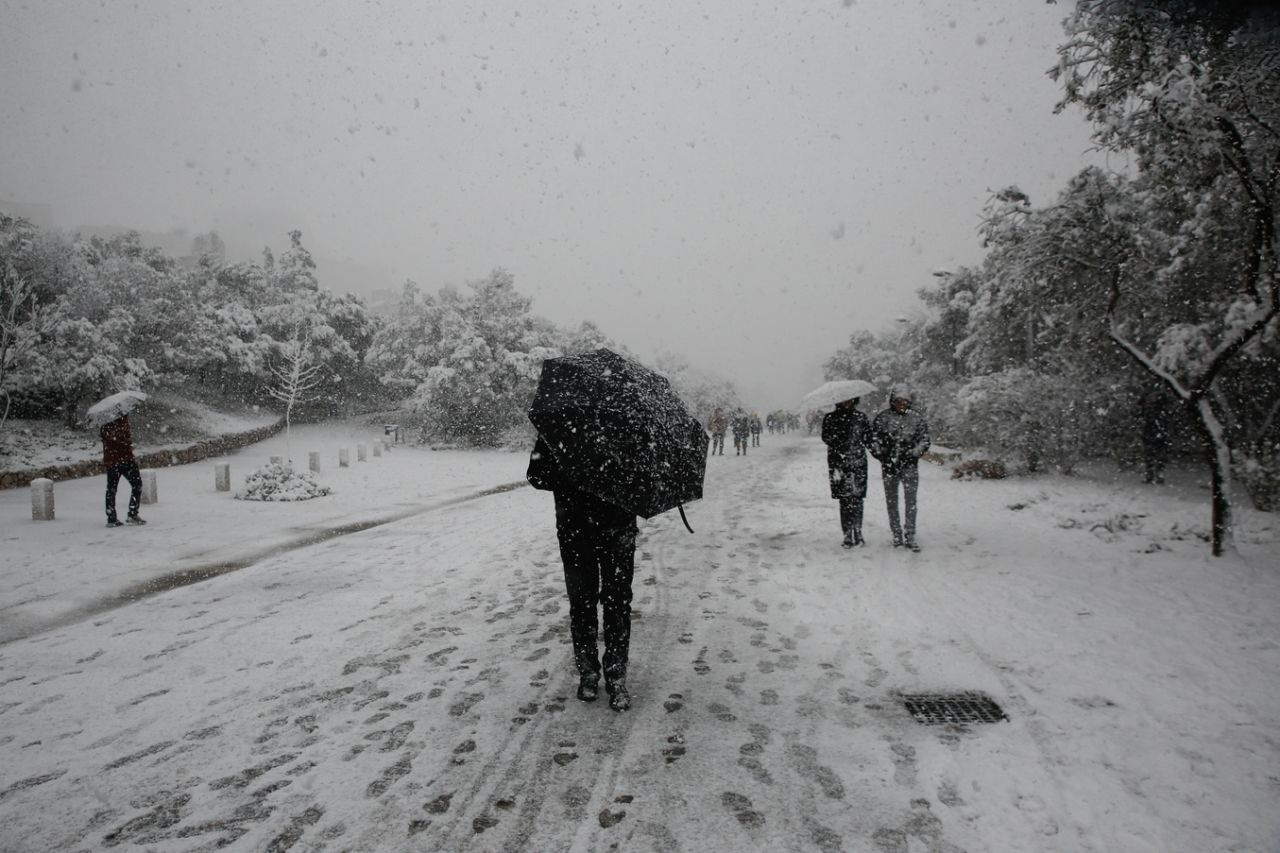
<point>588,688</point>
<point>848,541</point>
<point>897,541</point>
<point>912,544</point>
<point>133,519</point>
<point>114,522</point>
<point>619,699</point>
<point>857,538</point>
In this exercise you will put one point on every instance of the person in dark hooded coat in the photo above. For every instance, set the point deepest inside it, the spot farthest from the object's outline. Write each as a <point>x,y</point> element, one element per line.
<point>846,432</point>
<point>598,549</point>
<point>899,437</point>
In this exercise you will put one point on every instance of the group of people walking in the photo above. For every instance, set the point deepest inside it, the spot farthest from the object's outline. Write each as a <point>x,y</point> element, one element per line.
<point>745,428</point>
<point>897,438</point>
<point>598,539</point>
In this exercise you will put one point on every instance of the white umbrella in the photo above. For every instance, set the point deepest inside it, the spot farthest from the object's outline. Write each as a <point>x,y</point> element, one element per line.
<point>108,409</point>
<point>830,393</point>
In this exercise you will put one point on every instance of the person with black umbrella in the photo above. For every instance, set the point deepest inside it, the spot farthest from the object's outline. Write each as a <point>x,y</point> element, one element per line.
<point>614,442</point>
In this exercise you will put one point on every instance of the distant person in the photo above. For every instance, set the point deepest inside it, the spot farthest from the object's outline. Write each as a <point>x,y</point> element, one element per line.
<point>598,549</point>
<point>846,432</point>
<point>1158,412</point>
<point>718,425</point>
<point>899,437</point>
<point>741,426</point>
<point>755,429</point>
<point>117,455</point>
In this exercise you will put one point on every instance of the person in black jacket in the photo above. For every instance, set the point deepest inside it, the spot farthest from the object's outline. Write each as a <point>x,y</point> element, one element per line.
<point>598,549</point>
<point>899,437</point>
<point>846,432</point>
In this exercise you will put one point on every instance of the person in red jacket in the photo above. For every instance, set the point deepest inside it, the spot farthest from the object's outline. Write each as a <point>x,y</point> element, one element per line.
<point>117,455</point>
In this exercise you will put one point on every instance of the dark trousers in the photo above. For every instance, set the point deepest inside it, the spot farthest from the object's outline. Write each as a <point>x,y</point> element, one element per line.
<point>909,478</point>
<point>851,515</point>
<point>128,470</point>
<point>755,439</point>
<point>717,442</point>
<point>598,548</point>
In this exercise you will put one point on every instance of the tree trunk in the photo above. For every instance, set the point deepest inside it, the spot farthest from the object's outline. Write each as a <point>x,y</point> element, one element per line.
<point>1222,536</point>
<point>70,402</point>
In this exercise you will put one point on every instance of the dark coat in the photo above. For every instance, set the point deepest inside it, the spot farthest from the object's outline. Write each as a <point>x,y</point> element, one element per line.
<point>846,432</point>
<point>898,439</point>
<point>117,442</point>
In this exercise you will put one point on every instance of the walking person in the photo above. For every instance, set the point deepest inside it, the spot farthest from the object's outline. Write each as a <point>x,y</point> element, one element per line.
<point>718,425</point>
<point>741,427</point>
<point>117,455</point>
<point>598,549</point>
<point>899,437</point>
<point>846,432</point>
<point>755,429</point>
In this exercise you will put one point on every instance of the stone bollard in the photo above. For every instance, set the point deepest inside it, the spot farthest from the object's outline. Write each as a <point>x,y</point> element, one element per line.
<point>377,448</point>
<point>42,499</point>
<point>313,461</point>
<point>361,452</point>
<point>222,476</point>
<point>277,460</point>
<point>344,457</point>
<point>149,487</point>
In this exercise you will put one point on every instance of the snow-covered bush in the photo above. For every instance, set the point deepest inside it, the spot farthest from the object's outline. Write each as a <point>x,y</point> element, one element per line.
<point>275,482</point>
<point>1260,475</point>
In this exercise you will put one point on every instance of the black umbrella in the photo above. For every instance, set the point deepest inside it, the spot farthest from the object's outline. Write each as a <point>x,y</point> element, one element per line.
<point>617,430</point>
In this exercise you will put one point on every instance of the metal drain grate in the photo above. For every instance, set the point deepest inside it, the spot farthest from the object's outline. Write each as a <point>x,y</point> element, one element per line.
<point>939,709</point>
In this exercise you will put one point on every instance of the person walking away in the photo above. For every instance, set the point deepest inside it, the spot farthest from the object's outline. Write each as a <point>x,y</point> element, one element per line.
<point>755,429</point>
<point>717,426</point>
<point>741,427</point>
<point>117,455</point>
<point>846,432</point>
<point>1157,411</point>
<point>899,437</point>
<point>598,550</point>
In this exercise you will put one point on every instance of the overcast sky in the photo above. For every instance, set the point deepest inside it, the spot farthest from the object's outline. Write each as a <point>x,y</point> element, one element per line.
<point>744,183</point>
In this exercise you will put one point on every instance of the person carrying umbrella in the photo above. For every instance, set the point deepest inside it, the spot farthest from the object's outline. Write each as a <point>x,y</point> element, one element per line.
<point>899,437</point>
<point>846,432</point>
<point>614,442</point>
<point>117,455</point>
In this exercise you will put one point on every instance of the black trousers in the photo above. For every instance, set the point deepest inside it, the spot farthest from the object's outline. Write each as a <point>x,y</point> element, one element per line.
<point>128,470</point>
<point>598,548</point>
<point>851,515</point>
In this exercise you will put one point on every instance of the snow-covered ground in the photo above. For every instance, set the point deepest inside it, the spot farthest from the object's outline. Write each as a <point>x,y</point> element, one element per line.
<point>408,686</point>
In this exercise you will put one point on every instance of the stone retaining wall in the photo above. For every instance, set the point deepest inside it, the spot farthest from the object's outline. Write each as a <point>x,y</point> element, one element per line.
<point>218,446</point>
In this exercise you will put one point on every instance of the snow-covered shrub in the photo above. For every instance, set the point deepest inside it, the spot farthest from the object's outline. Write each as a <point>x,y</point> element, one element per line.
<point>275,482</point>
<point>1260,474</point>
<point>1039,418</point>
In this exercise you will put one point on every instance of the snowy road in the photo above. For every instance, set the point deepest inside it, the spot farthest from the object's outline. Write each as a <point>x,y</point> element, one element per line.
<point>409,687</point>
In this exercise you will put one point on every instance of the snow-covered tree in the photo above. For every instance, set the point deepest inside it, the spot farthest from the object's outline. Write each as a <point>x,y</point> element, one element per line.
<point>1193,90</point>
<point>296,377</point>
